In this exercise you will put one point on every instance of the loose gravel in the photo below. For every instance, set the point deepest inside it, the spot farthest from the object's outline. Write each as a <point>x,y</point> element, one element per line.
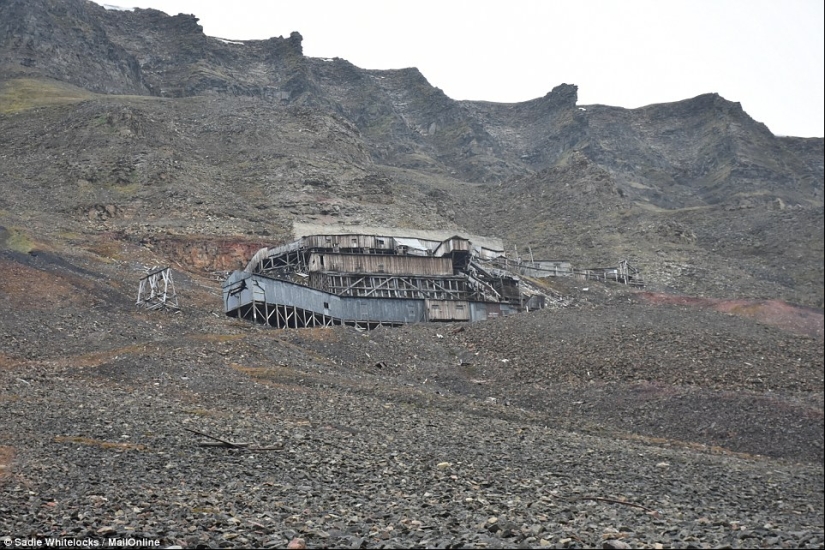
<point>491,435</point>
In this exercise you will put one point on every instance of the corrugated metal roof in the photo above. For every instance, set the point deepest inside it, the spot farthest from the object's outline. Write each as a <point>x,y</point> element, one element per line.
<point>302,229</point>
<point>410,243</point>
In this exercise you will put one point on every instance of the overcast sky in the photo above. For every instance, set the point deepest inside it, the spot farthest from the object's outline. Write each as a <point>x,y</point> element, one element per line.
<point>765,54</point>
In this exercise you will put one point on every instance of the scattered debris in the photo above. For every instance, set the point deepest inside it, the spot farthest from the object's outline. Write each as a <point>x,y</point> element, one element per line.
<point>615,501</point>
<point>219,442</point>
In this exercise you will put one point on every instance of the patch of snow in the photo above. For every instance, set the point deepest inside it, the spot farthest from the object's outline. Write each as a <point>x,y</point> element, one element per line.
<point>117,8</point>
<point>227,41</point>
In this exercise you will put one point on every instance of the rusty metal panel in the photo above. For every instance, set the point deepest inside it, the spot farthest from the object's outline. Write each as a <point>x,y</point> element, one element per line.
<point>478,311</point>
<point>448,310</point>
<point>242,289</point>
<point>481,311</point>
<point>235,291</point>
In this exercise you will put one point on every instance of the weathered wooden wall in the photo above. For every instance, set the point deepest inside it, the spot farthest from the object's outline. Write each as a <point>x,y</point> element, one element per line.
<point>380,263</point>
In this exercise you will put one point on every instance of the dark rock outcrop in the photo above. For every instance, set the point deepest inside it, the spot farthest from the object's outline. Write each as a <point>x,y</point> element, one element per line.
<point>700,151</point>
<point>142,111</point>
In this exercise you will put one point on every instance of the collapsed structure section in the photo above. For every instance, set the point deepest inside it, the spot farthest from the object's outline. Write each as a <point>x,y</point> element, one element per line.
<point>371,280</point>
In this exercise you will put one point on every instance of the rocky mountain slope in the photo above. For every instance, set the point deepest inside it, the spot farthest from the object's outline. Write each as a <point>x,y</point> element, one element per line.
<point>148,115</point>
<point>130,139</point>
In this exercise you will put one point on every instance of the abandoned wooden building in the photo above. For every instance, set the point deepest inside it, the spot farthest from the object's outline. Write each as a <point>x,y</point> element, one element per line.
<point>370,280</point>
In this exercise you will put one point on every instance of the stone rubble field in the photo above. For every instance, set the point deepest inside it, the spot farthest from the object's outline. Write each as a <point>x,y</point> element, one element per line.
<point>420,436</point>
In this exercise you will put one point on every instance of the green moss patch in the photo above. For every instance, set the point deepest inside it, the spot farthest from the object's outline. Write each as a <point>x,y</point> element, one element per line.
<point>27,93</point>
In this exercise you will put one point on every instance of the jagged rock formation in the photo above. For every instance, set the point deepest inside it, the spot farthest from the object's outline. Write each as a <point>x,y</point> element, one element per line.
<point>143,112</point>
<point>143,52</point>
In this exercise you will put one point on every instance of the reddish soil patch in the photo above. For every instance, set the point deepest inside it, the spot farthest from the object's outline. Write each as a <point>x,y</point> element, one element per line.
<point>6,455</point>
<point>7,362</point>
<point>25,287</point>
<point>785,316</point>
<point>208,254</point>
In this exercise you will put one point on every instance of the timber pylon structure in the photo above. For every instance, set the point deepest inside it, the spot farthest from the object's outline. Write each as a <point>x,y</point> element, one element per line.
<point>156,290</point>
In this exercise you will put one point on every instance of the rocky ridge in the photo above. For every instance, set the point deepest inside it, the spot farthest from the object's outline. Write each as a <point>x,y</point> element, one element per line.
<point>169,116</point>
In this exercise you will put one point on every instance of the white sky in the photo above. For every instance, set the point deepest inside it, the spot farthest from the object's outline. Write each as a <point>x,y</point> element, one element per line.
<point>766,54</point>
